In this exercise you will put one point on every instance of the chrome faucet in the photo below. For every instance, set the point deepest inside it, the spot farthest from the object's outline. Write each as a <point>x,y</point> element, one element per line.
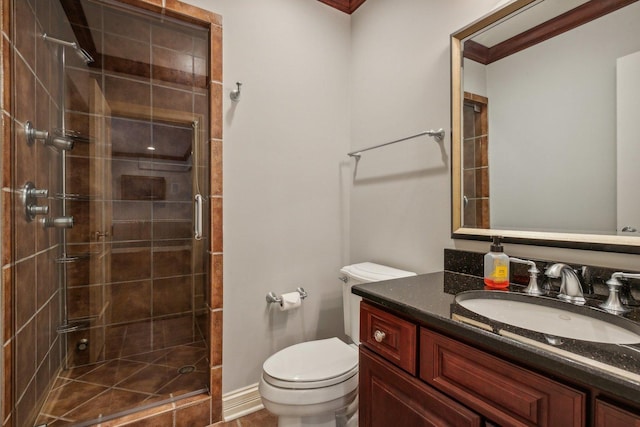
<point>613,303</point>
<point>570,287</point>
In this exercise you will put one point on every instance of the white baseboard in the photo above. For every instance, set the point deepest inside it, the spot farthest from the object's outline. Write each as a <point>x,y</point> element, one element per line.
<point>241,402</point>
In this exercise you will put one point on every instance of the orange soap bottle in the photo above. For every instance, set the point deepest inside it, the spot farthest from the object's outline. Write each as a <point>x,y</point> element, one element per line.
<point>496,266</point>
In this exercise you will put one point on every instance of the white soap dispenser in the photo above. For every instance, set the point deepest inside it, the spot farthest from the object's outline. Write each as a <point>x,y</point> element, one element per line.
<point>496,266</point>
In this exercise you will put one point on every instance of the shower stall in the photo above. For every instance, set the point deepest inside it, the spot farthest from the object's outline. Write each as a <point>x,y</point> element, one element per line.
<point>111,247</point>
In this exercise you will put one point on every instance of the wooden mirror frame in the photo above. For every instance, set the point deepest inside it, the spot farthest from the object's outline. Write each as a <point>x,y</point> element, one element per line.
<point>590,10</point>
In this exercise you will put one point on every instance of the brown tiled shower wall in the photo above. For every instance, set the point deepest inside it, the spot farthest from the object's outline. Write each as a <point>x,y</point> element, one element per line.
<point>30,298</point>
<point>30,285</point>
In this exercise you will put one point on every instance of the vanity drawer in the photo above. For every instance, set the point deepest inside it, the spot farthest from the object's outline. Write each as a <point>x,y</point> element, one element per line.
<point>501,391</point>
<point>389,336</point>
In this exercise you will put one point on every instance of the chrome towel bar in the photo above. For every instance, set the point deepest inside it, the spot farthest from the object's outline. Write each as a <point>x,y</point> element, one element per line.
<point>438,135</point>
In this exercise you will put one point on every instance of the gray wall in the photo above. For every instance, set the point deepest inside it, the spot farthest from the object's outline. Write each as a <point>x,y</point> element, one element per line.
<point>285,188</point>
<point>400,202</point>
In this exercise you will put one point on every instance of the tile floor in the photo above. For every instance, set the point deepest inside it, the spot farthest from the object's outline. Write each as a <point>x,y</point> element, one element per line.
<point>87,392</point>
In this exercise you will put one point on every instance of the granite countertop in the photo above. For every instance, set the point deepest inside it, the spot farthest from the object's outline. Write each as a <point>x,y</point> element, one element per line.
<point>429,299</point>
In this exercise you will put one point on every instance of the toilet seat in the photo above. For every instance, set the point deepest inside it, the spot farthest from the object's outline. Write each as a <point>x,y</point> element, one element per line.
<point>311,364</point>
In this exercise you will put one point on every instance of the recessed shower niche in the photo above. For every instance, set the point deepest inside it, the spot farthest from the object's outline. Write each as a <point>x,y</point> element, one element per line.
<point>111,281</point>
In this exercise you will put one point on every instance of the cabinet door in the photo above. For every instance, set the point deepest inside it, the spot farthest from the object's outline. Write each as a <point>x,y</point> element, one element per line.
<point>501,391</point>
<point>391,397</point>
<point>608,415</point>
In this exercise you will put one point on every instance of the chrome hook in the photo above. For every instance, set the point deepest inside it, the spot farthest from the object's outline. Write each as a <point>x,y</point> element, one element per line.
<point>235,94</point>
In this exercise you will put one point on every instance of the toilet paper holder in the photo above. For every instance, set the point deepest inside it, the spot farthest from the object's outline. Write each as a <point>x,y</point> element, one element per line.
<point>272,298</point>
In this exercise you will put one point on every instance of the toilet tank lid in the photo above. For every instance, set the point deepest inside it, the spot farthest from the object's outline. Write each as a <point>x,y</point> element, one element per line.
<point>372,272</point>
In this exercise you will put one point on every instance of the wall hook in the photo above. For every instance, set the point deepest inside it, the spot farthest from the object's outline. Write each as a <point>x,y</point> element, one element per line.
<point>235,94</point>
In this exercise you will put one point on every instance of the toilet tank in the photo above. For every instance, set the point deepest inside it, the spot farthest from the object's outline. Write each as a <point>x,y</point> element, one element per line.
<point>355,274</point>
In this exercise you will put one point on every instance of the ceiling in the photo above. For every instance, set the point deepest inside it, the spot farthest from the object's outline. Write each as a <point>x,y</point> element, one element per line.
<point>346,6</point>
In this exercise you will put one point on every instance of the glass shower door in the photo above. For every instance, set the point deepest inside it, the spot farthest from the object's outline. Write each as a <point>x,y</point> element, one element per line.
<point>134,274</point>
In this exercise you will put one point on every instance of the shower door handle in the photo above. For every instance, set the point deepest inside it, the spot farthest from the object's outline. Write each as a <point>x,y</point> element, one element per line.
<point>197,220</point>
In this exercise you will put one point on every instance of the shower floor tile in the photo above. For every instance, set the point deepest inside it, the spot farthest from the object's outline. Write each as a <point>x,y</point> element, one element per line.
<point>150,379</point>
<point>88,392</point>
<point>112,372</point>
<point>106,403</point>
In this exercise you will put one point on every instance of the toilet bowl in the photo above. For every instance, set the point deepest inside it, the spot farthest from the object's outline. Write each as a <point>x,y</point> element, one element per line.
<point>315,383</point>
<point>312,381</point>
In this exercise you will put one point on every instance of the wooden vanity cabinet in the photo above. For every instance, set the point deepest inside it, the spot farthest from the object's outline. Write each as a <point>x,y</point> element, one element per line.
<point>450,383</point>
<point>390,393</point>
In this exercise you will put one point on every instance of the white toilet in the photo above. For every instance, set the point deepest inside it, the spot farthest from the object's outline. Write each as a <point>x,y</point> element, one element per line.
<point>315,383</point>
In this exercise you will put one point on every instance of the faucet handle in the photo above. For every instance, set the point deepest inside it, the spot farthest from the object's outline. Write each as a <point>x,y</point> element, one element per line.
<point>613,304</point>
<point>533,288</point>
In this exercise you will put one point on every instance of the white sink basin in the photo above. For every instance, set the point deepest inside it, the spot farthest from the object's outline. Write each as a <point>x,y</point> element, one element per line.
<point>551,317</point>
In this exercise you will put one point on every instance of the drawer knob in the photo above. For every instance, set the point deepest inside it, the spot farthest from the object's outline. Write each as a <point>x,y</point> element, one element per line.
<point>379,336</point>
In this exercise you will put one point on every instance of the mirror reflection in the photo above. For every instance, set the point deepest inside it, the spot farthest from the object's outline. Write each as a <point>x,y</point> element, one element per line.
<point>549,129</point>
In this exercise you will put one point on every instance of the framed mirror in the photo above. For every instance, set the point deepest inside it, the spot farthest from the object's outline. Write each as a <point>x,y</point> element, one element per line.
<point>545,98</point>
